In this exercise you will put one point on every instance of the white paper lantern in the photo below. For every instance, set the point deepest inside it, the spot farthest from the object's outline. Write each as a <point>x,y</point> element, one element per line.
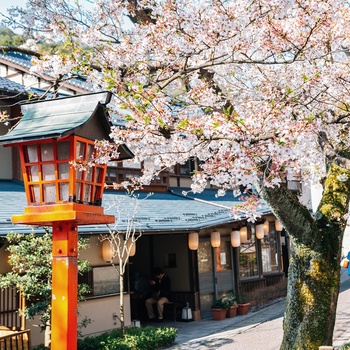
<point>266,225</point>
<point>215,239</point>
<point>244,234</point>
<point>278,225</point>
<point>131,246</point>
<point>107,251</point>
<point>259,231</point>
<point>193,240</point>
<point>235,238</point>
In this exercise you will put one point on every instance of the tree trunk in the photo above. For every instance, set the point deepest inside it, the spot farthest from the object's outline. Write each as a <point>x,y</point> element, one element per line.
<point>313,287</point>
<point>121,298</point>
<point>47,337</point>
<point>314,269</point>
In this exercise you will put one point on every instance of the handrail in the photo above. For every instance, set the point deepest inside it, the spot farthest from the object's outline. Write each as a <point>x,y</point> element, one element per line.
<point>15,340</point>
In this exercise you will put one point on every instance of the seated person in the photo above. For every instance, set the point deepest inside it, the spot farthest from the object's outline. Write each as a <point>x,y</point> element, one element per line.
<point>161,288</point>
<point>141,286</point>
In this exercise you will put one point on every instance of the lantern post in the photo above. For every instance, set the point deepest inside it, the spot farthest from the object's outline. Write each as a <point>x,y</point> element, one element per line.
<point>64,188</point>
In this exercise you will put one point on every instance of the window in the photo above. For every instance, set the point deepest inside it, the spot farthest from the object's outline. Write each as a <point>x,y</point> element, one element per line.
<point>269,252</point>
<point>171,260</point>
<point>248,258</point>
<point>185,169</point>
<point>205,263</point>
<point>103,280</point>
<point>223,256</point>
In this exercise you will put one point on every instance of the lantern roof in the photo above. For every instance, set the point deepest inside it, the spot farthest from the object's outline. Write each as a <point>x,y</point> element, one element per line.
<point>81,115</point>
<point>61,117</point>
<point>58,117</point>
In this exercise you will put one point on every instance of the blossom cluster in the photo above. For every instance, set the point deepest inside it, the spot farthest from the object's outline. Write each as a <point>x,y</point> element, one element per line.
<point>245,87</point>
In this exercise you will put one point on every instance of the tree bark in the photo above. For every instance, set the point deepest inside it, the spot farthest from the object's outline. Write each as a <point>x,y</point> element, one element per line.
<point>47,337</point>
<point>121,298</point>
<point>314,269</point>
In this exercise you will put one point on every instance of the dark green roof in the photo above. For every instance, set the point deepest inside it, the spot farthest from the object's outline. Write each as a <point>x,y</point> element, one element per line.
<point>58,117</point>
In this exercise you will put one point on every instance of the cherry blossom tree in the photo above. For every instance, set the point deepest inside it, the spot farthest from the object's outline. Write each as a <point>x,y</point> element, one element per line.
<point>256,90</point>
<point>122,242</point>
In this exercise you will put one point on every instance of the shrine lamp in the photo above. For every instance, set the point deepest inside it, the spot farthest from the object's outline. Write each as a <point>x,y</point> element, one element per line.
<point>64,188</point>
<point>56,141</point>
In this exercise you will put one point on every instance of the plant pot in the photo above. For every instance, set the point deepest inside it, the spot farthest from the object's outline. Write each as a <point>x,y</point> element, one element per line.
<point>243,309</point>
<point>218,314</point>
<point>231,311</point>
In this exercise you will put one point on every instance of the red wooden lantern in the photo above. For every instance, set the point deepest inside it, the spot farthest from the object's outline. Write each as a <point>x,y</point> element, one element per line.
<point>64,189</point>
<point>59,183</point>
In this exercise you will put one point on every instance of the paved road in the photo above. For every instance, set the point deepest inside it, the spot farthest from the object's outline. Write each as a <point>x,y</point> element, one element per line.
<point>260,330</point>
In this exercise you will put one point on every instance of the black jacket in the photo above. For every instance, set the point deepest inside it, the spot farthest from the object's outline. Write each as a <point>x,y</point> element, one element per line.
<point>162,287</point>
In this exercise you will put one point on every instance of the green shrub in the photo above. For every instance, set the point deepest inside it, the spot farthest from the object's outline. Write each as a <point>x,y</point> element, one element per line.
<point>345,347</point>
<point>39,347</point>
<point>145,338</point>
<point>221,304</point>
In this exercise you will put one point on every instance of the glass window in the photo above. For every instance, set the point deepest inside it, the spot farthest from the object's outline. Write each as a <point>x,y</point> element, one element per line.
<point>269,252</point>
<point>223,256</point>
<point>105,280</point>
<point>187,168</point>
<point>205,263</point>
<point>248,265</point>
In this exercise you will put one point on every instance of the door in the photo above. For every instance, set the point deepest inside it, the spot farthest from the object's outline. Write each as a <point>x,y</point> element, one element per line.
<point>215,273</point>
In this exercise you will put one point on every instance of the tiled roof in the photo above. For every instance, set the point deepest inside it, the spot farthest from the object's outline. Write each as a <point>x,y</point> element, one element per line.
<point>24,61</point>
<point>16,90</point>
<point>18,58</point>
<point>161,212</point>
<point>11,87</point>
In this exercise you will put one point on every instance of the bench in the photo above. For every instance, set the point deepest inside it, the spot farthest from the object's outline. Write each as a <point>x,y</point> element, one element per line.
<point>172,310</point>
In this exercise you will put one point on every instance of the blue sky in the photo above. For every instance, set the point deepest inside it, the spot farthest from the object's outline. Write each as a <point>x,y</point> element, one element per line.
<point>6,4</point>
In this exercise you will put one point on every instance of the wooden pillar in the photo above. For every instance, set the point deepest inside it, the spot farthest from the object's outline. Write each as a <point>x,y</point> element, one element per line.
<point>64,317</point>
<point>235,269</point>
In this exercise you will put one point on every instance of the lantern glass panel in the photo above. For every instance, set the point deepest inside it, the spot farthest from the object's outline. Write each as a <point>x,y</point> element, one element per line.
<point>87,194</point>
<point>33,173</point>
<point>80,148</point>
<point>47,152</point>
<point>79,174</point>
<point>32,153</point>
<point>49,193</point>
<point>35,193</point>
<point>88,174</point>
<point>78,192</point>
<point>63,150</point>
<point>99,174</point>
<point>64,191</point>
<point>90,152</point>
<point>48,172</point>
<point>97,194</point>
<point>63,171</point>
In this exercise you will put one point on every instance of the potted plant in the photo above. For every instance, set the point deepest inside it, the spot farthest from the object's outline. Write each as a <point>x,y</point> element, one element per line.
<point>232,306</point>
<point>219,309</point>
<point>243,304</point>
